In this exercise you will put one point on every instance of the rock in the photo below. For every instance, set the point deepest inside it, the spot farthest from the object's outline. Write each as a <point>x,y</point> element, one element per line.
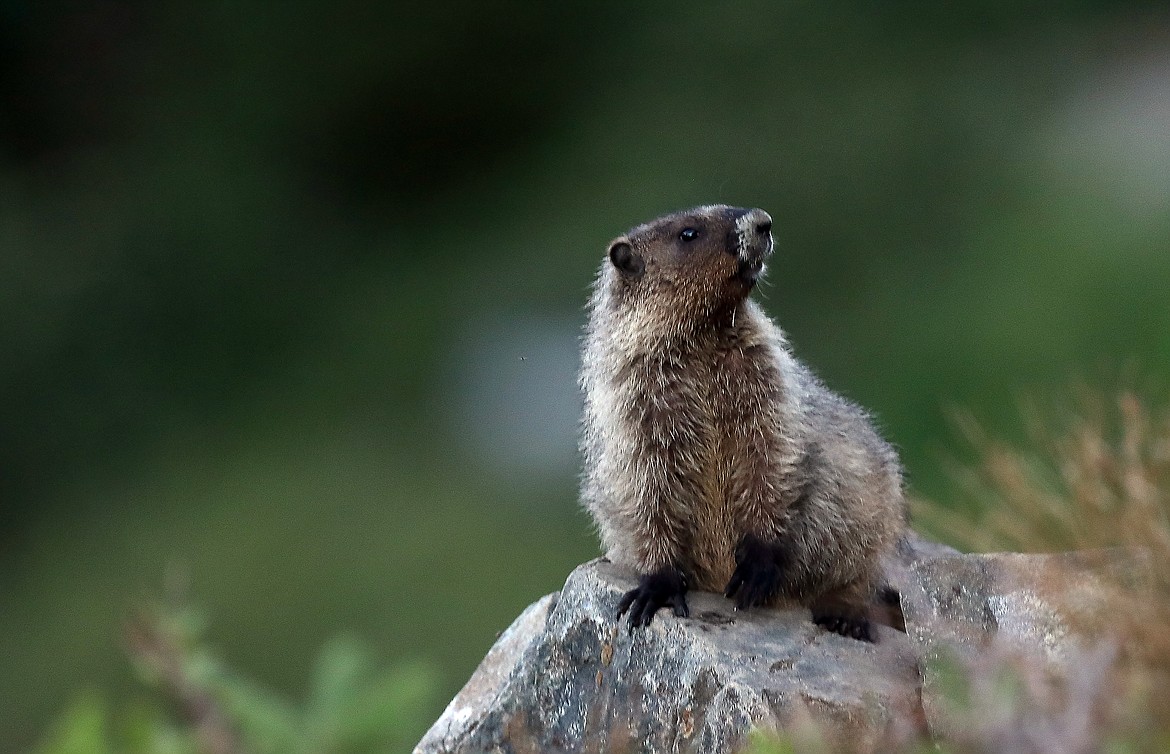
<point>581,682</point>
<point>993,611</point>
<point>567,677</point>
<point>1031,602</point>
<point>493,672</point>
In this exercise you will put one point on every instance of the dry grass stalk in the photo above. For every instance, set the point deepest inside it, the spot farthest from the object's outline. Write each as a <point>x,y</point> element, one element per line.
<point>1096,477</point>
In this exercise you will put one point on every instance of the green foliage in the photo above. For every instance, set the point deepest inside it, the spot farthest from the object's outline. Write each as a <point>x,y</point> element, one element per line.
<point>202,705</point>
<point>770,743</point>
<point>82,728</point>
<point>90,726</point>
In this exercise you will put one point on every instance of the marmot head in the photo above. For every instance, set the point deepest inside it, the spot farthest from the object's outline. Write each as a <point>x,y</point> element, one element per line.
<point>692,263</point>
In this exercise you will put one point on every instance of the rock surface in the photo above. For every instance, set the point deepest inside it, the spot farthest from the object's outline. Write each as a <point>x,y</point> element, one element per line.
<point>982,609</point>
<point>565,676</point>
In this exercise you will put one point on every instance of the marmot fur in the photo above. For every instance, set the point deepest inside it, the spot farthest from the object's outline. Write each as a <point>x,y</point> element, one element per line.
<point>715,460</point>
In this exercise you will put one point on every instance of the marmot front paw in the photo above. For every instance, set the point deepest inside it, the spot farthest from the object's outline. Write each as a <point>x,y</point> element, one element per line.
<point>659,589</point>
<point>757,573</point>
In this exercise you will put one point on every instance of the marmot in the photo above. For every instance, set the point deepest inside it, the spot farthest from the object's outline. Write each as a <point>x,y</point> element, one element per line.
<point>715,460</point>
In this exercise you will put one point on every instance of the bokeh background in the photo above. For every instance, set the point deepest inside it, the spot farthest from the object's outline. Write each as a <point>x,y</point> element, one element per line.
<point>290,293</point>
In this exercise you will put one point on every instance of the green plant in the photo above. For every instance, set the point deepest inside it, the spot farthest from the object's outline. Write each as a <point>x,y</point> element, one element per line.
<point>200,705</point>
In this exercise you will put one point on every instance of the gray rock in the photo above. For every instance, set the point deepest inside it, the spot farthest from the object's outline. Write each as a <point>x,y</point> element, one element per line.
<point>1030,602</point>
<point>567,677</point>
<point>481,690</point>
<point>581,682</point>
<point>983,613</point>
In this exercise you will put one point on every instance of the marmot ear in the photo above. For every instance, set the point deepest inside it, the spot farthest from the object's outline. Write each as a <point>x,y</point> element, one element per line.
<point>623,257</point>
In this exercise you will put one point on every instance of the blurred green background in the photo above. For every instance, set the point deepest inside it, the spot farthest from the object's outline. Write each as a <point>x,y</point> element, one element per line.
<point>290,293</point>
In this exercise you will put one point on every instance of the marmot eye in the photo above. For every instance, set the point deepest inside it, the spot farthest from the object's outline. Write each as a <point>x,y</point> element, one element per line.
<point>688,234</point>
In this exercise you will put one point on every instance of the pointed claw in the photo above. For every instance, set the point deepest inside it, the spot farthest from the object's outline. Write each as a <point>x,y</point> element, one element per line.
<point>734,585</point>
<point>646,614</point>
<point>627,600</point>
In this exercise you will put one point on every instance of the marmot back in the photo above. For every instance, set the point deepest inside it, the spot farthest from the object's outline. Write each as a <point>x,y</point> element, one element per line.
<point>713,458</point>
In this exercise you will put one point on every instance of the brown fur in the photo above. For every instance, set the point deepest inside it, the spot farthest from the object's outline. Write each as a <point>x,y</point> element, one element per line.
<point>700,427</point>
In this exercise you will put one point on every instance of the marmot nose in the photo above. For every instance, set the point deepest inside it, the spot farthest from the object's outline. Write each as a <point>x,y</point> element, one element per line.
<point>760,220</point>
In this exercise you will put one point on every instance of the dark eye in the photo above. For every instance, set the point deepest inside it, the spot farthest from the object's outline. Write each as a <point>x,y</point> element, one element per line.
<point>688,234</point>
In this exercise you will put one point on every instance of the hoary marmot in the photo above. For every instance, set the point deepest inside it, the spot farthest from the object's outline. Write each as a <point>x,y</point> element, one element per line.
<point>715,460</point>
